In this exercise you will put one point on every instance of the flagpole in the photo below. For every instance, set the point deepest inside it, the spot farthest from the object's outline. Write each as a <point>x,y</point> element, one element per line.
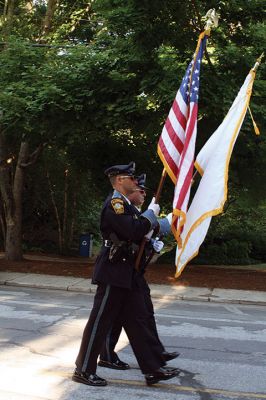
<point>160,186</point>
<point>146,239</point>
<point>211,20</point>
<point>257,63</point>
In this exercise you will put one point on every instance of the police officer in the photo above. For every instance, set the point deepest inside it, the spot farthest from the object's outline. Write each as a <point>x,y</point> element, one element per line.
<point>108,356</point>
<point>122,230</point>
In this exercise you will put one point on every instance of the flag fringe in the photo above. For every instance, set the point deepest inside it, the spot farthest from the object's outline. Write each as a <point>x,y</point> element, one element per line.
<point>198,168</point>
<point>166,166</point>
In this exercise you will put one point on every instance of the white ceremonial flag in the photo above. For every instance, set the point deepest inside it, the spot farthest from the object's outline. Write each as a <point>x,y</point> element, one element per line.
<point>212,163</point>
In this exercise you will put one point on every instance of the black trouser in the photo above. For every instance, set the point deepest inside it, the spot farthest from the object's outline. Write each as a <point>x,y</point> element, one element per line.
<point>109,303</point>
<point>108,350</point>
<point>151,318</point>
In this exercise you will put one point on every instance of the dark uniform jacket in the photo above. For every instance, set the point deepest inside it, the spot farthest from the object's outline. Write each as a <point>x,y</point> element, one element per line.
<point>120,217</point>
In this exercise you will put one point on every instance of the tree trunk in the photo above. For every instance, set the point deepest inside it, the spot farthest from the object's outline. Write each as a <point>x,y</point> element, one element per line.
<point>5,181</point>
<point>51,5</point>
<point>11,189</point>
<point>2,220</point>
<point>57,216</point>
<point>65,210</point>
<point>9,7</point>
<point>5,9</point>
<point>13,248</point>
<point>73,219</point>
<point>12,198</point>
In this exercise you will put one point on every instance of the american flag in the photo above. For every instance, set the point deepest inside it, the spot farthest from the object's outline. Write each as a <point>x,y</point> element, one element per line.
<point>176,146</point>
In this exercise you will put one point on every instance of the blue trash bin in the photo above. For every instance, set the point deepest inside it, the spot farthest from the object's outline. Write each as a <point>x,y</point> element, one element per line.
<point>85,245</point>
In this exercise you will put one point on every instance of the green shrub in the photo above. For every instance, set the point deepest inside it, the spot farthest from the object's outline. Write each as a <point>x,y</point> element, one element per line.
<point>232,251</point>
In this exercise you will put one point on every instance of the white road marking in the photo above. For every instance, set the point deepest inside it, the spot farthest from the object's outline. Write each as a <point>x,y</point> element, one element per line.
<point>190,317</point>
<point>10,313</point>
<point>234,309</point>
<point>221,332</point>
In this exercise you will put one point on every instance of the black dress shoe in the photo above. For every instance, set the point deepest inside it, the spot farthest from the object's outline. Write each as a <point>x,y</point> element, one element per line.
<point>88,379</point>
<point>118,364</point>
<point>170,356</point>
<point>160,374</point>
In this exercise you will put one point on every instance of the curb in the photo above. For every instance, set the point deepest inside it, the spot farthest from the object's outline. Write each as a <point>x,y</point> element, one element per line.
<point>162,292</point>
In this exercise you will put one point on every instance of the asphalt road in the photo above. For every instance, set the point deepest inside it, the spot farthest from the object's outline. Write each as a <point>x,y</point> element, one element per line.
<point>222,346</point>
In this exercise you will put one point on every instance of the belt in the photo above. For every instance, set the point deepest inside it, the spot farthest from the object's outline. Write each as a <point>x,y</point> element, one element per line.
<point>107,243</point>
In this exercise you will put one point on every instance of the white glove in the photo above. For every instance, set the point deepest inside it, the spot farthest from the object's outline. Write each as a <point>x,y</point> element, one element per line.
<point>157,245</point>
<point>170,217</point>
<point>154,207</point>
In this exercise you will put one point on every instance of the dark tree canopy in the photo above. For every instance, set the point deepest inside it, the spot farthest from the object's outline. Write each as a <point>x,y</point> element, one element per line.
<point>92,83</point>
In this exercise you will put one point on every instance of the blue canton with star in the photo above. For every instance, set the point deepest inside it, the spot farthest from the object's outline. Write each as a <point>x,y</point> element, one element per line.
<point>189,88</point>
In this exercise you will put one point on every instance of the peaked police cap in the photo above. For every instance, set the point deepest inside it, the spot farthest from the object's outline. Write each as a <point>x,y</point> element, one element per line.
<point>141,181</point>
<point>115,170</point>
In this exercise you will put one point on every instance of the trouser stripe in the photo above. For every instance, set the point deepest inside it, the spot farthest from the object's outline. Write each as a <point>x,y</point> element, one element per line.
<point>94,329</point>
<point>107,344</point>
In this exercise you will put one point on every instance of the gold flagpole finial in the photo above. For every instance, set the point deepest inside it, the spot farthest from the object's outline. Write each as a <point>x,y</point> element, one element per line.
<point>212,19</point>
<point>258,61</point>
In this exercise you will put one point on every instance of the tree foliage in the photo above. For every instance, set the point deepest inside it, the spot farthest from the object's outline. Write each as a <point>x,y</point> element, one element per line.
<point>96,85</point>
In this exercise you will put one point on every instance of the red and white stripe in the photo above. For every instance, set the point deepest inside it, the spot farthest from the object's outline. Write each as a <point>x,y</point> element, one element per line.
<point>186,165</point>
<point>172,139</point>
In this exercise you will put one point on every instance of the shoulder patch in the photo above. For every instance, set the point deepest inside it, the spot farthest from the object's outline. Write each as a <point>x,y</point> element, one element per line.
<point>118,206</point>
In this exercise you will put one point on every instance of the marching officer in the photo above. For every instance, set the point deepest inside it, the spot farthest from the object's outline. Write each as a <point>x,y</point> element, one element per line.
<point>122,230</point>
<point>108,357</point>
